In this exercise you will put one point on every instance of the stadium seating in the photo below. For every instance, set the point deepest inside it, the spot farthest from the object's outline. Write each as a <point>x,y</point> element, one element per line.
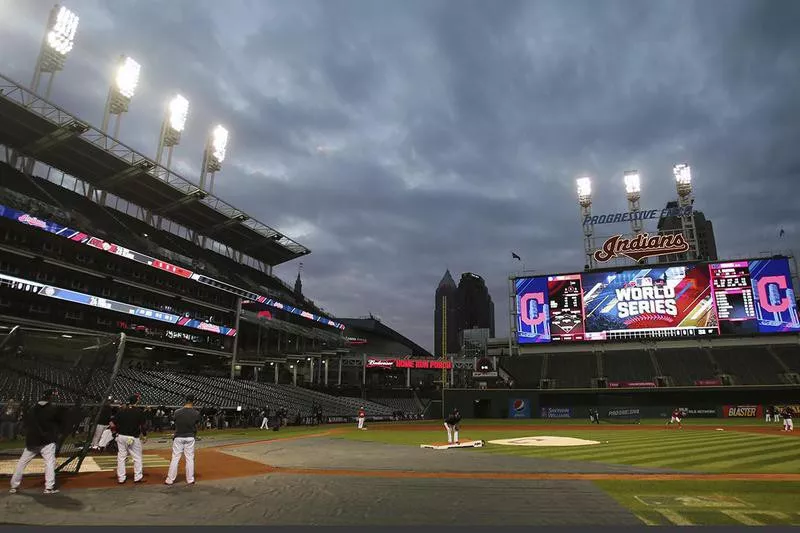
<point>790,356</point>
<point>628,366</point>
<point>572,370</point>
<point>25,380</point>
<point>525,370</point>
<point>748,365</point>
<point>686,366</point>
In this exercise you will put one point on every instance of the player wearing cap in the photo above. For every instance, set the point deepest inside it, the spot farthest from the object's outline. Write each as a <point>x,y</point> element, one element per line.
<point>451,425</point>
<point>362,417</point>
<point>42,424</point>
<point>130,422</point>
<point>186,420</point>
<point>788,425</point>
<point>676,418</point>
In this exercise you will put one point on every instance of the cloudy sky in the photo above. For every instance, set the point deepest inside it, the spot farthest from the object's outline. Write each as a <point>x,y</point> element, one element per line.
<point>400,138</point>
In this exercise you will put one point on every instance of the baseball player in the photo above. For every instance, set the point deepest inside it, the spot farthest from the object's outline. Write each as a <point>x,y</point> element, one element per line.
<point>676,418</point>
<point>362,417</point>
<point>788,412</point>
<point>186,420</point>
<point>42,424</point>
<point>770,412</point>
<point>451,425</point>
<point>131,432</point>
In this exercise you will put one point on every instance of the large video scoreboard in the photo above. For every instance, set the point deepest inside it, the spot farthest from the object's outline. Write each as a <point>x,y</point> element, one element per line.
<point>658,302</point>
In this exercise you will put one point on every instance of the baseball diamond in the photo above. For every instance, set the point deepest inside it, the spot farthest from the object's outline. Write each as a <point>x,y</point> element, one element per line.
<point>168,358</point>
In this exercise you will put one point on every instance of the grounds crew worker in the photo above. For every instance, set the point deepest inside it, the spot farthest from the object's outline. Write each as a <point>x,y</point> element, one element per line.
<point>186,420</point>
<point>130,423</point>
<point>451,424</point>
<point>42,424</point>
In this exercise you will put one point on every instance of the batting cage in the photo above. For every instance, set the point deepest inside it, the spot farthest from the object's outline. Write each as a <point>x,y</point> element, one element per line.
<point>81,368</point>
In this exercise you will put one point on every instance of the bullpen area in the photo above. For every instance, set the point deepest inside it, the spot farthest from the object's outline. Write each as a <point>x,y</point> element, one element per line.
<point>531,472</point>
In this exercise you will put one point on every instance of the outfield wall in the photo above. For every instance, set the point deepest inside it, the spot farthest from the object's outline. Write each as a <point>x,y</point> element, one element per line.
<point>706,402</point>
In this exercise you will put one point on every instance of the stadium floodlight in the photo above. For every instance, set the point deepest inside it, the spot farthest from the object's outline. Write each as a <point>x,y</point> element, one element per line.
<point>215,152</point>
<point>178,113</point>
<point>219,142</point>
<point>123,87</point>
<point>584,189</point>
<point>128,77</point>
<point>172,127</point>
<point>633,185</point>
<point>58,41</point>
<point>683,175</point>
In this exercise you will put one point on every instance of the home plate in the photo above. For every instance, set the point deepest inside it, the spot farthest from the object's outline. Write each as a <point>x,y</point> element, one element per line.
<point>544,441</point>
<point>445,446</point>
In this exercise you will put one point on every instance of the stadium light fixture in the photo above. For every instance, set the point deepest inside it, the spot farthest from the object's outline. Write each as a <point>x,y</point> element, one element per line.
<point>633,185</point>
<point>584,188</point>
<point>172,127</point>
<point>683,175</point>
<point>215,153</point>
<point>58,41</point>
<point>123,87</point>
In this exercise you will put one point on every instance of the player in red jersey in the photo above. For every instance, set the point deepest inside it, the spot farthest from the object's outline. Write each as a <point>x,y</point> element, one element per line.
<point>676,418</point>
<point>362,416</point>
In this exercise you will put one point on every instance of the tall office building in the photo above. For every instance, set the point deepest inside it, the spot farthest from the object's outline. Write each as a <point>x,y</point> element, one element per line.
<point>475,306</point>
<point>446,316</point>
<point>704,229</point>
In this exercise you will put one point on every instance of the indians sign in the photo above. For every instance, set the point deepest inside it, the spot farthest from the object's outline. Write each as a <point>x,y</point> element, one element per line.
<point>641,247</point>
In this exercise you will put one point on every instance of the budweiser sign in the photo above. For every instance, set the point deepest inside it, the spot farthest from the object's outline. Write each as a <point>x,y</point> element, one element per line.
<point>380,363</point>
<point>641,247</point>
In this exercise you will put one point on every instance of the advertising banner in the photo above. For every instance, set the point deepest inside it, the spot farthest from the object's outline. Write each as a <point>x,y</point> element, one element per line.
<point>426,364</point>
<point>626,413</point>
<point>699,412</point>
<point>707,383</point>
<point>519,408</point>
<point>742,411</point>
<point>556,412</point>
<point>631,385</point>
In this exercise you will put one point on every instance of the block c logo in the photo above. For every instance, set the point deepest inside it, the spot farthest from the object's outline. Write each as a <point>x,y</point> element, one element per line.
<point>763,294</point>
<point>524,313</point>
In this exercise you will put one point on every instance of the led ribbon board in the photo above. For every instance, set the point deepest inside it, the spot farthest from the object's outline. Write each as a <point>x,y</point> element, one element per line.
<point>81,298</point>
<point>100,244</point>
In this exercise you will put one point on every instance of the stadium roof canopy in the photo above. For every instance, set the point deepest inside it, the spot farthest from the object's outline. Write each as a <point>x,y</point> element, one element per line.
<point>37,128</point>
<point>376,327</point>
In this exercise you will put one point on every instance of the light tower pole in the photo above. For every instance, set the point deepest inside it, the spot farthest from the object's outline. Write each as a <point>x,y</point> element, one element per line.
<point>633,191</point>
<point>585,201</point>
<point>172,127</point>
<point>213,156</point>
<point>57,42</point>
<point>123,87</point>
<point>683,182</point>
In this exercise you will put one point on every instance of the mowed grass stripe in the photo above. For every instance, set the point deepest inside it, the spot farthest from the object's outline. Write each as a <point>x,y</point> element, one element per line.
<point>627,453</point>
<point>614,448</point>
<point>688,455</point>
<point>766,455</point>
<point>721,458</point>
<point>684,447</point>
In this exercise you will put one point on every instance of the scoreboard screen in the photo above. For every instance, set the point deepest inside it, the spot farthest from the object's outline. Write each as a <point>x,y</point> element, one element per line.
<point>658,302</point>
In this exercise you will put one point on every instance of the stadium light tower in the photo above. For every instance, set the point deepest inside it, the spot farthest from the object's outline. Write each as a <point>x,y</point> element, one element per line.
<point>213,156</point>
<point>123,87</point>
<point>683,182</point>
<point>58,41</point>
<point>633,190</point>
<point>172,127</point>
<point>585,201</point>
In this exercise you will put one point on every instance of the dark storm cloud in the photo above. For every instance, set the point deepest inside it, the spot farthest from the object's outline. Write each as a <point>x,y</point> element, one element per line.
<point>397,139</point>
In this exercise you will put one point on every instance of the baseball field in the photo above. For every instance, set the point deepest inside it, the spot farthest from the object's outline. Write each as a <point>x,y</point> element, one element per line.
<point>528,472</point>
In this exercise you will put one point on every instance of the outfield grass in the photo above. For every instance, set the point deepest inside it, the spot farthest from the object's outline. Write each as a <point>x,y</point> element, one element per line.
<point>705,451</point>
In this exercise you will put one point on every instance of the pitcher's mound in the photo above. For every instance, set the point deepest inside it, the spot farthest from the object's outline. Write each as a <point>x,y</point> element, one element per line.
<point>544,441</point>
<point>462,444</point>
